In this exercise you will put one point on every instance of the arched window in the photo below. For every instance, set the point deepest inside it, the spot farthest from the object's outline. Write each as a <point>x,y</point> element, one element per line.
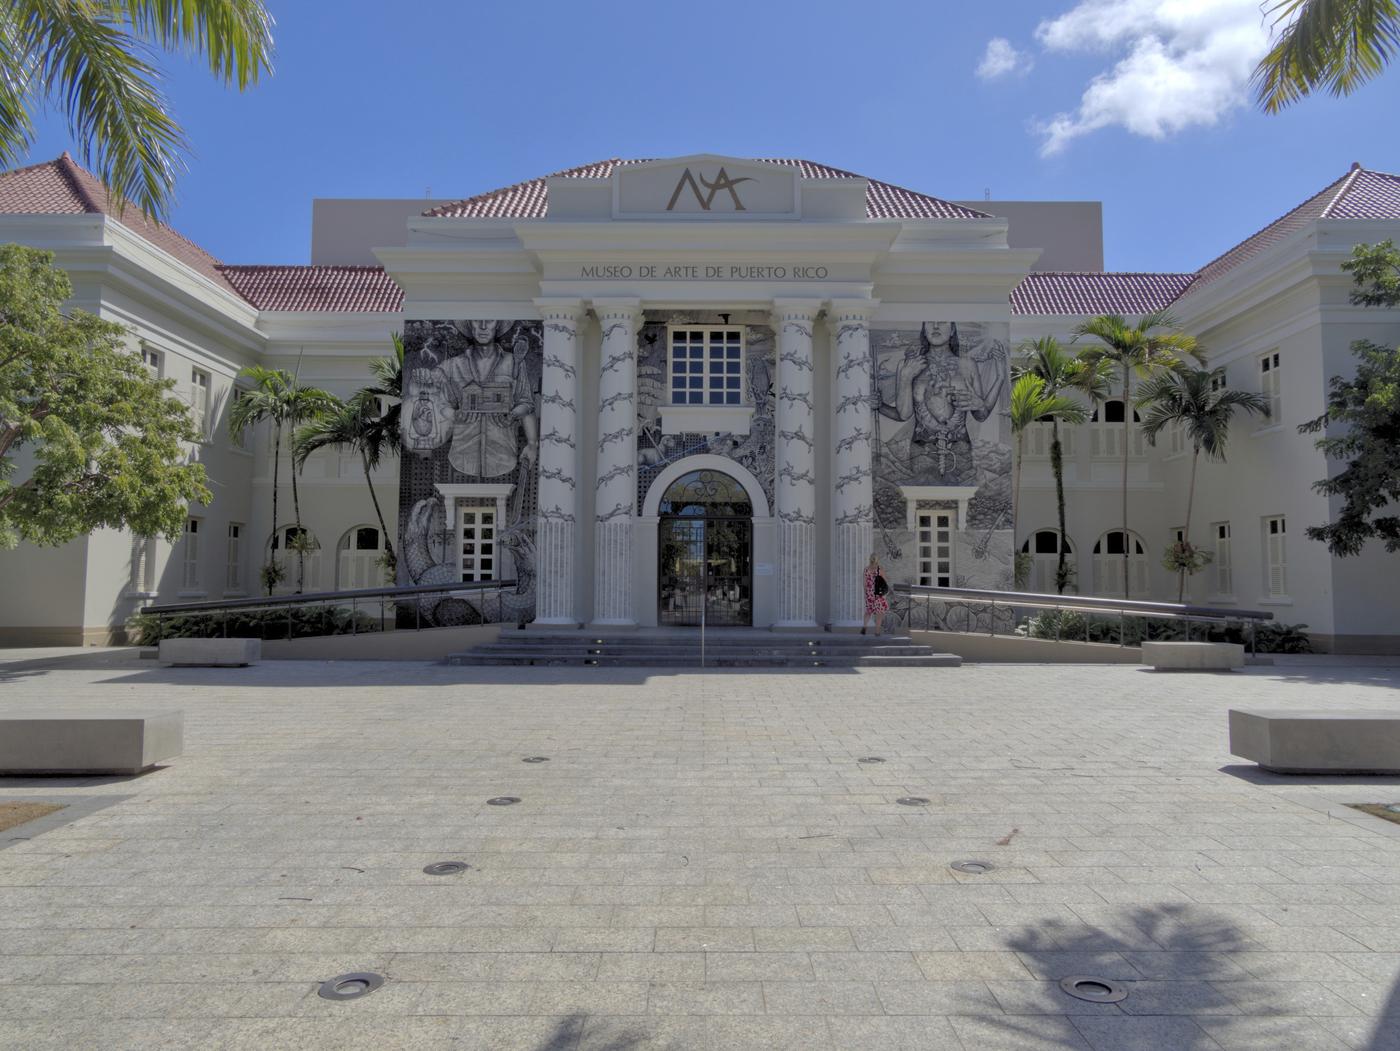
<point>357,558</point>
<point>281,546</point>
<point>1044,548</point>
<point>1109,565</point>
<point>1108,434</point>
<point>706,494</point>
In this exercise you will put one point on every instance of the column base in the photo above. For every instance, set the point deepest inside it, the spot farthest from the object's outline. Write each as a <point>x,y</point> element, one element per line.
<point>796,626</point>
<point>612,625</point>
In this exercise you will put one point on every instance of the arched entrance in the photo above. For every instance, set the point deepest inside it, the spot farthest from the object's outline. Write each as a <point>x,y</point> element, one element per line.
<point>705,551</point>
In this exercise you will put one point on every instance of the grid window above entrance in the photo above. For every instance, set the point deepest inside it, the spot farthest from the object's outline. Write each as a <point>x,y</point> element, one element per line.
<point>707,366</point>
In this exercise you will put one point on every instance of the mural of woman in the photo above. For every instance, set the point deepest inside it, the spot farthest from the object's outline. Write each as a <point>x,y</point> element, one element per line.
<point>937,386</point>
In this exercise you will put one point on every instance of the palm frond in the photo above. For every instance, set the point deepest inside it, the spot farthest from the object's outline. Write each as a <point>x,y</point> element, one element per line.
<point>1337,45</point>
<point>235,36</point>
<point>97,74</point>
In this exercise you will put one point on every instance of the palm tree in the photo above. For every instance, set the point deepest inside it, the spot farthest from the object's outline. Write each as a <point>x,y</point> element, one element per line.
<point>1334,44</point>
<point>1052,362</point>
<point>277,396</point>
<point>91,60</point>
<point>1033,400</point>
<point>1197,400</point>
<point>388,385</point>
<point>353,425</point>
<point>1145,348</point>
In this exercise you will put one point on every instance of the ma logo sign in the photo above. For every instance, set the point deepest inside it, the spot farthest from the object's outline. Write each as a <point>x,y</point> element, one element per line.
<point>721,182</point>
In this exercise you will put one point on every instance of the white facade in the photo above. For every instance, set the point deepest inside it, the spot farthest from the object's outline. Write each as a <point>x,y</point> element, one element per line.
<point>844,308</point>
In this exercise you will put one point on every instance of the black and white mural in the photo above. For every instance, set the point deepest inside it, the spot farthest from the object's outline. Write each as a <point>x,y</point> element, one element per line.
<point>754,450</point>
<point>942,418</point>
<point>471,412</point>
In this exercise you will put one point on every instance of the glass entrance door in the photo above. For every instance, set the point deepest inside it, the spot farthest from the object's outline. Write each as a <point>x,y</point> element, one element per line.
<point>705,552</point>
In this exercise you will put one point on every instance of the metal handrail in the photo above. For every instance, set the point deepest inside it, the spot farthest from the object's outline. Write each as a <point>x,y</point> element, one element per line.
<point>1012,600</point>
<point>316,597</point>
<point>1087,603</point>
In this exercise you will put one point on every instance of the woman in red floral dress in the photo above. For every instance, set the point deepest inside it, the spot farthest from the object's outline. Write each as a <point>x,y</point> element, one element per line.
<point>875,605</point>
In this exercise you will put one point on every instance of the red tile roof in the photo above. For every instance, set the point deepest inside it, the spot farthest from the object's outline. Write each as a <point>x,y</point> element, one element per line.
<point>337,289</point>
<point>530,199</point>
<point>1359,194</point>
<point>1061,292</point>
<point>64,187</point>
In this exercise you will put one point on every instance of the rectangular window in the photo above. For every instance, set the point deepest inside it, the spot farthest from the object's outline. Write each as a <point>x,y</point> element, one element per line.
<point>1217,380</point>
<point>191,576</point>
<point>151,357</point>
<point>1178,438</point>
<point>233,578</point>
<point>707,366</point>
<point>477,521</point>
<point>143,564</point>
<point>935,544</point>
<point>1224,580</point>
<point>1276,556</point>
<point>1269,386</point>
<point>199,401</point>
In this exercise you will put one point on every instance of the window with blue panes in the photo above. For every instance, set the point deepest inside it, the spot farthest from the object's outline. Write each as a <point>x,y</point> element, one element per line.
<point>707,366</point>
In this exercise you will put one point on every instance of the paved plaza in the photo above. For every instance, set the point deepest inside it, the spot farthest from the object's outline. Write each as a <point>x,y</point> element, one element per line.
<point>702,862</point>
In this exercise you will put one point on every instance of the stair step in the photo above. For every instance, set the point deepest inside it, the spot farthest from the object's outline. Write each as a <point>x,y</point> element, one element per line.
<point>933,660</point>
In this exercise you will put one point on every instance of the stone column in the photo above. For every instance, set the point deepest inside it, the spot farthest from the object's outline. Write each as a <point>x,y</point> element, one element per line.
<point>796,484</point>
<point>615,498</point>
<point>853,493</point>
<point>556,527</point>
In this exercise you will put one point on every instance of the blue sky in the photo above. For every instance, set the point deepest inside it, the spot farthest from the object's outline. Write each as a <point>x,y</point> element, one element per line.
<point>440,98</point>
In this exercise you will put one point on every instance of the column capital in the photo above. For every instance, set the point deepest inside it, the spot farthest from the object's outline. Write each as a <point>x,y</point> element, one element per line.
<point>560,309</point>
<point>618,309</point>
<point>797,309</point>
<point>852,309</point>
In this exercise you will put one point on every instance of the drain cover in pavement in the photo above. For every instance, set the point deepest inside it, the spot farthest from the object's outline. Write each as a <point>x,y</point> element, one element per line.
<point>870,759</point>
<point>912,801</point>
<point>350,986</point>
<point>503,801</point>
<point>535,759</point>
<point>446,868</point>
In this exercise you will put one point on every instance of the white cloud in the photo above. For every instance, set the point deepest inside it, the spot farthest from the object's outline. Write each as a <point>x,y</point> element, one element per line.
<point>1183,63</point>
<point>1001,58</point>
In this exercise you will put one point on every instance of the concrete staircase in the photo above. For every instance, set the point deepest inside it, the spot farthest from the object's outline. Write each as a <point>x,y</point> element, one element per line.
<point>724,648</point>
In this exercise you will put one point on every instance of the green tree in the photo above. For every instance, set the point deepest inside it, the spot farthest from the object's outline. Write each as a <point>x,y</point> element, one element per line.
<point>1333,44</point>
<point>1198,401</point>
<point>1033,400</point>
<point>1368,406</point>
<point>91,60</point>
<point>103,442</point>
<point>278,397</point>
<point>388,386</point>
<point>1060,370</point>
<point>1144,348</point>
<point>354,425</point>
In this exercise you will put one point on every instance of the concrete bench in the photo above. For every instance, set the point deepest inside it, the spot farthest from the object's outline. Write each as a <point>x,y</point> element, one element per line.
<point>83,744</point>
<point>1193,656</point>
<point>1310,742</point>
<point>210,653</point>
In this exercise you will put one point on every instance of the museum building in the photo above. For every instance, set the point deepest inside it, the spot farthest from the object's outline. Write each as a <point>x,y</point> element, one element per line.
<point>771,368</point>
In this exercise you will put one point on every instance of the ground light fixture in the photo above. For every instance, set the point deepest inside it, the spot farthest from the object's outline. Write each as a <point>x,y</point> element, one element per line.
<point>871,759</point>
<point>535,759</point>
<point>912,801</point>
<point>1094,990</point>
<point>350,986</point>
<point>503,801</point>
<point>972,866</point>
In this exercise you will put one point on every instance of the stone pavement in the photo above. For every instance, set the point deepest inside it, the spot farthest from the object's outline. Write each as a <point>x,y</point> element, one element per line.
<point>701,863</point>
